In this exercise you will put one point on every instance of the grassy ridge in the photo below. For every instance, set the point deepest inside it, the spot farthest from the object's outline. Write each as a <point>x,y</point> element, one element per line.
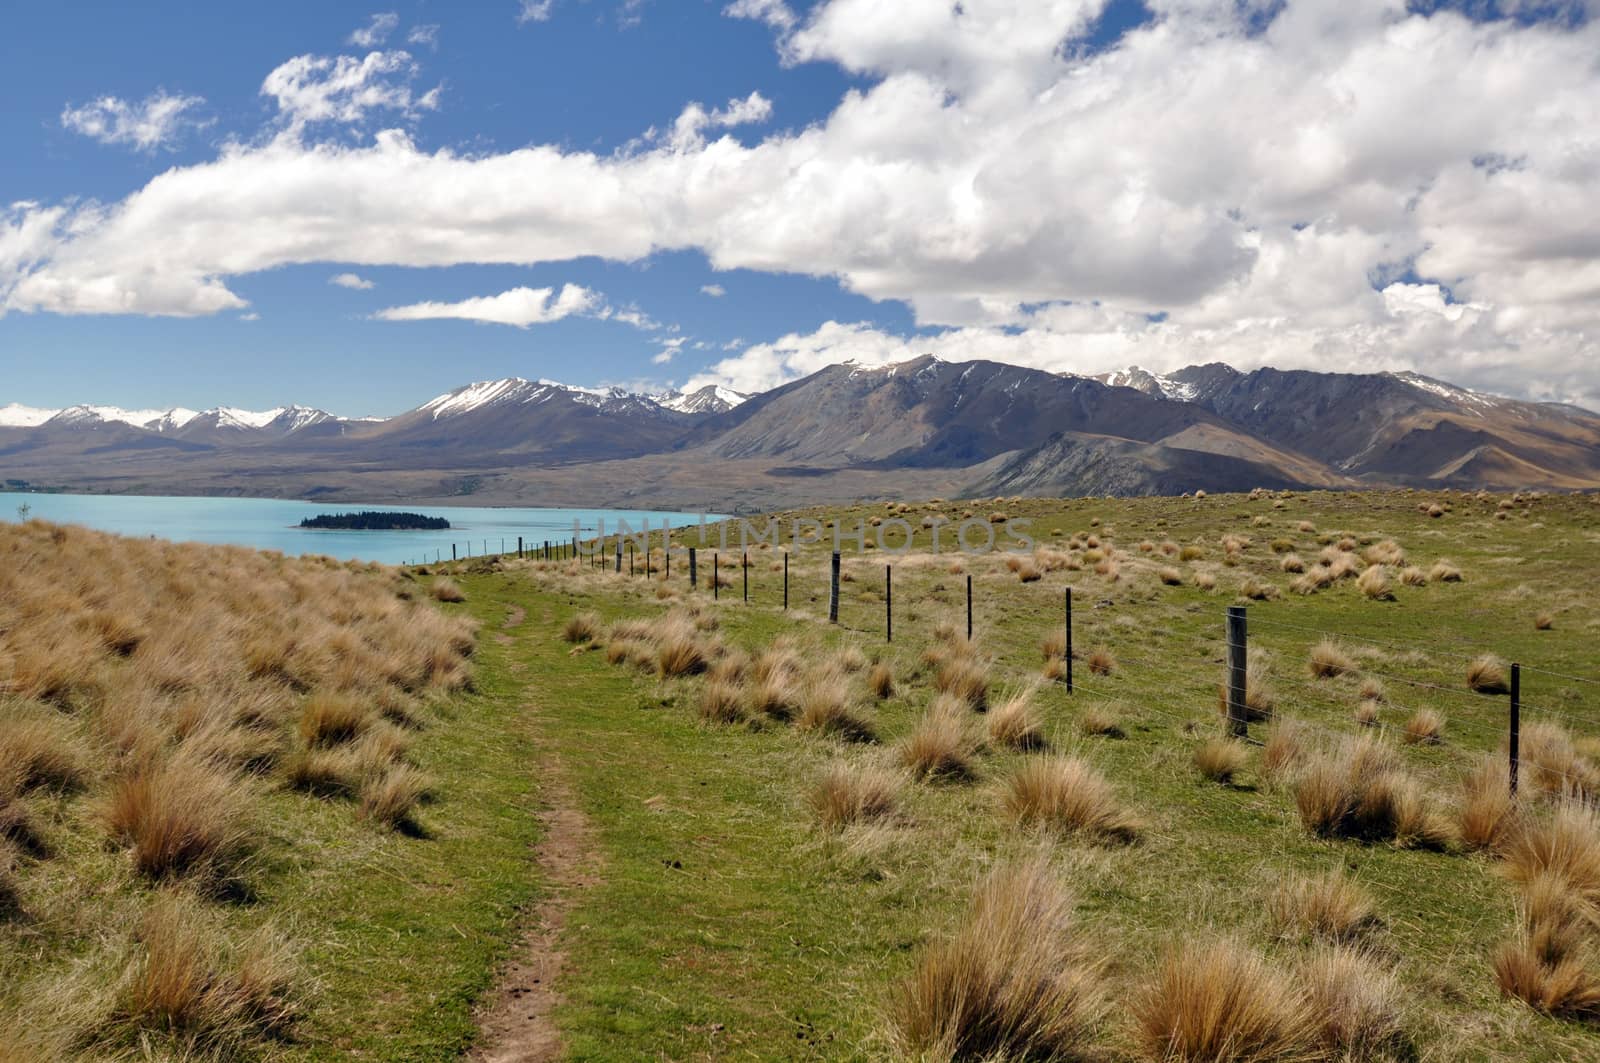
<point>728,923</point>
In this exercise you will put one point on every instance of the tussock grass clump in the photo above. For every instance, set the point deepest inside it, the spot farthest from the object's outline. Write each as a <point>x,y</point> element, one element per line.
<point>1358,1004</point>
<point>1552,764</point>
<point>1412,576</point>
<point>1444,572</point>
<point>1557,982</point>
<point>1171,577</point>
<point>965,678</point>
<point>1366,713</point>
<point>1219,1001</point>
<point>1329,660</point>
<point>183,977</point>
<point>1028,572</point>
<point>1387,552</point>
<point>1486,814</point>
<point>1487,675</point>
<point>445,589</point>
<point>1374,584</point>
<point>1285,749</point>
<point>1220,759</point>
<point>942,745</point>
<point>333,719</point>
<point>1101,661</point>
<point>1053,645</point>
<point>679,652</point>
<point>1360,792</point>
<point>1316,578</point>
<point>1425,727</point>
<point>1100,721</point>
<point>1016,722</point>
<point>39,748</point>
<point>323,772</point>
<point>1372,689</point>
<point>582,627</point>
<point>391,798</point>
<point>880,680</point>
<point>1329,907</point>
<point>1292,563</point>
<point>1065,795</point>
<point>1205,581</point>
<point>825,708</point>
<point>1017,979</point>
<point>182,817</point>
<point>847,794</point>
<point>1543,622</point>
<point>1564,844</point>
<point>721,701</point>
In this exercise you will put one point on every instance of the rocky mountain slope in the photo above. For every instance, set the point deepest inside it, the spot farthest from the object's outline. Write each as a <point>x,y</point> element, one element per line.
<point>973,427</point>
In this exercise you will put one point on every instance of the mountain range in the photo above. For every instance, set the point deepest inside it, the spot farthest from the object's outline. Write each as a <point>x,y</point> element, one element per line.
<point>846,431</point>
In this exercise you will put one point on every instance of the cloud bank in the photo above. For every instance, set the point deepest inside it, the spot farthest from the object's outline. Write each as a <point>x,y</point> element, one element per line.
<point>1314,184</point>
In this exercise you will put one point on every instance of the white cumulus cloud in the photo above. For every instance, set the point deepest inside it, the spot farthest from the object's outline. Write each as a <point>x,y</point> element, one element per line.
<point>520,307</point>
<point>352,280</point>
<point>716,291</point>
<point>376,31</point>
<point>156,121</point>
<point>1312,183</point>
<point>534,11</point>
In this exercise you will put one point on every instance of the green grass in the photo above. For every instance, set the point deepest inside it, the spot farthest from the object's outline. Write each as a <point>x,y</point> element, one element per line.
<point>725,923</point>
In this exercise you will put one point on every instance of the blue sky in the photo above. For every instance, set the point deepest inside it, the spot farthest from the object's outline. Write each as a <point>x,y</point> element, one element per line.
<point>1072,185</point>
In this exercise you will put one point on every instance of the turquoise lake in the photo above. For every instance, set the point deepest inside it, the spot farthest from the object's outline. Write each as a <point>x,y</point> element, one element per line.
<point>272,524</point>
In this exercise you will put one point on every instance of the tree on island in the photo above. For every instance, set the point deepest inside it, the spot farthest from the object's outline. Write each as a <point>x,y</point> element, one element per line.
<point>375,520</point>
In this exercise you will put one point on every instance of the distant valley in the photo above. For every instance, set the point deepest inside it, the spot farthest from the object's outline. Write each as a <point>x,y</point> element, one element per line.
<point>922,426</point>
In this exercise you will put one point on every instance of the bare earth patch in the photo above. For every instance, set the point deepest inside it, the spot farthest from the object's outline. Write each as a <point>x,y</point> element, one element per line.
<point>515,1025</point>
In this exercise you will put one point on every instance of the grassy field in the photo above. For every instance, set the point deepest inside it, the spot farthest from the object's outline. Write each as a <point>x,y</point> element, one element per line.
<point>786,863</point>
<point>729,923</point>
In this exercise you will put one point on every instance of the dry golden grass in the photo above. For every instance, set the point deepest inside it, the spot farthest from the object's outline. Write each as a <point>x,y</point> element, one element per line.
<point>1559,982</point>
<point>1016,980</point>
<point>826,709</point>
<point>1101,661</point>
<point>965,678</point>
<point>1372,689</point>
<point>1551,762</point>
<point>1100,721</point>
<point>880,680</point>
<point>1486,814</point>
<point>182,817</point>
<point>39,747</point>
<point>1284,750</point>
<point>1055,668</point>
<point>1220,759</point>
<point>1374,584</point>
<point>721,701</point>
<point>848,794</point>
<point>331,719</point>
<point>1329,660</point>
<point>1053,645</point>
<point>181,977</point>
<point>1360,792</point>
<point>1444,572</point>
<point>1170,576</point>
<point>942,745</point>
<point>1221,1001</point>
<point>445,589</point>
<point>1487,675</point>
<point>1292,563</point>
<point>323,772</point>
<point>1205,581</point>
<point>582,627</point>
<point>1065,795</point>
<point>1564,844</point>
<point>1543,622</point>
<point>1016,722</point>
<point>679,652</point>
<point>391,798</point>
<point>1329,907</point>
<point>1412,576</point>
<point>1425,727</point>
<point>1357,1002</point>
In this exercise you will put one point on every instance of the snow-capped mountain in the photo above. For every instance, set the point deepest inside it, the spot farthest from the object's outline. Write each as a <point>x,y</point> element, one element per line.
<point>16,415</point>
<point>713,398</point>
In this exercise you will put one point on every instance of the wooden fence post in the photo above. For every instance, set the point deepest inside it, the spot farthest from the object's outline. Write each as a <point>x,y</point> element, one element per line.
<point>1516,722</point>
<point>1238,633</point>
<point>833,591</point>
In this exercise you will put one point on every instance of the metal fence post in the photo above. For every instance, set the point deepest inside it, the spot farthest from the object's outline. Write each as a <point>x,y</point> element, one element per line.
<point>888,603</point>
<point>1238,633</point>
<point>1067,627</point>
<point>1516,722</point>
<point>694,569</point>
<point>969,607</point>
<point>786,579</point>
<point>716,575</point>
<point>833,591</point>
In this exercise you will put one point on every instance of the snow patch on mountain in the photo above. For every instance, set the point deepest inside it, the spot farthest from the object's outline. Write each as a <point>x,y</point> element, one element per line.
<point>16,415</point>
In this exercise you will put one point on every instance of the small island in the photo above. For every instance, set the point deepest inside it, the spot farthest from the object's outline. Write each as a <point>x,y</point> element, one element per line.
<point>374,520</point>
